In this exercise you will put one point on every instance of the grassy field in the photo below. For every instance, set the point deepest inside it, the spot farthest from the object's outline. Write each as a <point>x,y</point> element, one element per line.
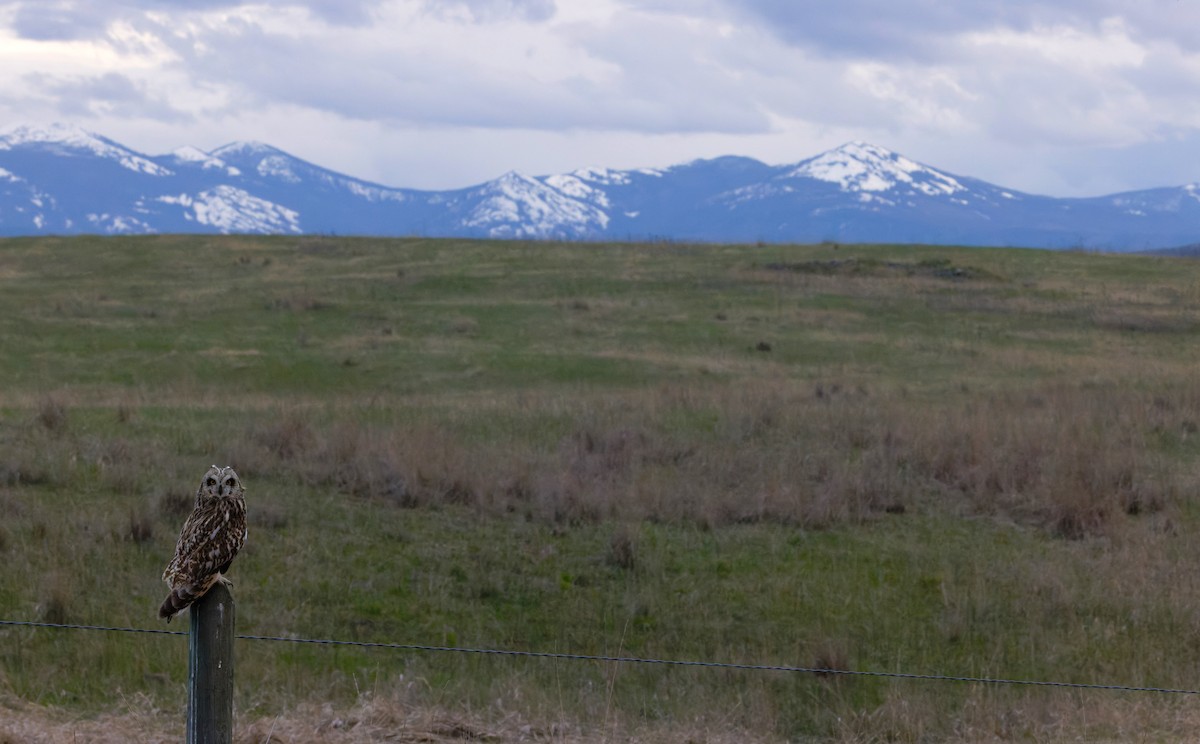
<point>903,459</point>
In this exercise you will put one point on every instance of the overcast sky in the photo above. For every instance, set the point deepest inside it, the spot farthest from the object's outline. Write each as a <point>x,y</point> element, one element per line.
<point>1069,98</point>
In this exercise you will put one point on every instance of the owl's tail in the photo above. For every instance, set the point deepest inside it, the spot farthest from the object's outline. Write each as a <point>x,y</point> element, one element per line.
<point>181,597</point>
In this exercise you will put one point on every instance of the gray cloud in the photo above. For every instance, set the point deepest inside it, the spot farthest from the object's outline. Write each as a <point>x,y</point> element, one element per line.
<point>920,29</point>
<point>1071,74</point>
<point>110,94</point>
<point>56,20</point>
<point>337,12</point>
<point>491,10</point>
<point>916,29</point>
<point>53,20</point>
<point>649,91</point>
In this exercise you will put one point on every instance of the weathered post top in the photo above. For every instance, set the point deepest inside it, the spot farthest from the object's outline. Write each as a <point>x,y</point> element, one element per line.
<point>210,668</point>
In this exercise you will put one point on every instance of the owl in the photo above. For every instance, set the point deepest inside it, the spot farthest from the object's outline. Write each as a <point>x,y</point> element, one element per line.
<point>211,537</point>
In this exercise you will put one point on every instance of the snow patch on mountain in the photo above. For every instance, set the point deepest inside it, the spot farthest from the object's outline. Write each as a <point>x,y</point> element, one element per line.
<point>858,166</point>
<point>368,191</point>
<point>603,176</point>
<point>371,193</point>
<point>270,162</point>
<point>242,149</point>
<point>196,156</point>
<point>71,137</point>
<point>515,205</point>
<point>119,224</point>
<point>585,183</point>
<point>278,167</point>
<point>232,209</point>
<point>575,187</point>
<point>753,192</point>
<point>189,154</point>
<point>872,198</point>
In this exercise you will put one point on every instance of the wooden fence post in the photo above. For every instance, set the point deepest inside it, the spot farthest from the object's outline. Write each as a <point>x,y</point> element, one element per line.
<point>210,669</point>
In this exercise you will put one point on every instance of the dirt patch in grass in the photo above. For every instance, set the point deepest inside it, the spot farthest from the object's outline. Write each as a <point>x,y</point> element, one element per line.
<point>935,268</point>
<point>224,352</point>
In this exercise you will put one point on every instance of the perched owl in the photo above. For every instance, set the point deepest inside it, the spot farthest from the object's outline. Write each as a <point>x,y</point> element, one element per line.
<point>211,537</point>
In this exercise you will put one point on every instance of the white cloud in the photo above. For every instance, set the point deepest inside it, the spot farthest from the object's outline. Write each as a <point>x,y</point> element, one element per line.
<point>1108,47</point>
<point>443,69</point>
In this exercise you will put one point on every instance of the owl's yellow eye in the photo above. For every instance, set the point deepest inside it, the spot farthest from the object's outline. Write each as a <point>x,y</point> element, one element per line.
<point>210,482</point>
<point>230,482</point>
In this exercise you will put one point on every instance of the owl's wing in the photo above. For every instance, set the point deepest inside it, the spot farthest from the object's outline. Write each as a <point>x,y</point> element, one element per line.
<point>191,538</point>
<point>182,547</point>
<point>207,544</point>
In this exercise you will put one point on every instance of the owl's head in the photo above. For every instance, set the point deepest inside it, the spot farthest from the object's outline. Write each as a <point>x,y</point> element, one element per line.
<point>220,482</point>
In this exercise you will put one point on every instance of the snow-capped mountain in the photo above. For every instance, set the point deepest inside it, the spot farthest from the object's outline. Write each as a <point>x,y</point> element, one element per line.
<point>63,180</point>
<point>860,167</point>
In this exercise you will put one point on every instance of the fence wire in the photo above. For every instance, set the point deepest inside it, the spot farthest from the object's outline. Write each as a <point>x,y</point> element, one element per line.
<point>630,659</point>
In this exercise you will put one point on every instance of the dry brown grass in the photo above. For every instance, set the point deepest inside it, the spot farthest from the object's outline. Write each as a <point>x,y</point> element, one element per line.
<point>992,715</point>
<point>56,598</point>
<point>373,719</point>
<point>622,548</point>
<point>52,414</point>
<point>173,505</point>
<point>989,715</point>
<point>141,527</point>
<point>1073,460</point>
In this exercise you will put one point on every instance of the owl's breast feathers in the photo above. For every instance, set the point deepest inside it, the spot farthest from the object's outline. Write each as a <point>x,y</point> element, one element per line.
<point>208,543</point>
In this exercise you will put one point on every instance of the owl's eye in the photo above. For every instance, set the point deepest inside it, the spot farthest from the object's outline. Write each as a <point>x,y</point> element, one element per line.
<point>210,482</point>
<point>230,482</point>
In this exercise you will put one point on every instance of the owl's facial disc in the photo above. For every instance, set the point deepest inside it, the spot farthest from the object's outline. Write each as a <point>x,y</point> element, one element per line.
<point>229,482</point>
<point>211,480</point>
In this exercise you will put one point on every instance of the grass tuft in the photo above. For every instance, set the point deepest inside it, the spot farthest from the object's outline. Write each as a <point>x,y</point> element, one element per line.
<point>52,414</point>
<point>57,598</point>
<point>141,527</point>
<point>126,413</point>
<point>622,548</point>
<point>173,505</point>
<point>289,437</point>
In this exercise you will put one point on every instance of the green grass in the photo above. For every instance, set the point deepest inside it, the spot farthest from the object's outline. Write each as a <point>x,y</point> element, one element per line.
<point>949,461</point>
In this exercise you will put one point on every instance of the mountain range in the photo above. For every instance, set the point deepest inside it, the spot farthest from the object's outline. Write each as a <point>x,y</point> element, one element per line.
<point>65,180</point>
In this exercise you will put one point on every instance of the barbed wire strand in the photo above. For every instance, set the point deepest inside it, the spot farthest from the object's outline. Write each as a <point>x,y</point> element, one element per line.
<point>630,659</point>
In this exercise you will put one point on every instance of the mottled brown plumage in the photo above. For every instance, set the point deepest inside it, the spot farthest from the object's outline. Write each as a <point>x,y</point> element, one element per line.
<point>208,542</point>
